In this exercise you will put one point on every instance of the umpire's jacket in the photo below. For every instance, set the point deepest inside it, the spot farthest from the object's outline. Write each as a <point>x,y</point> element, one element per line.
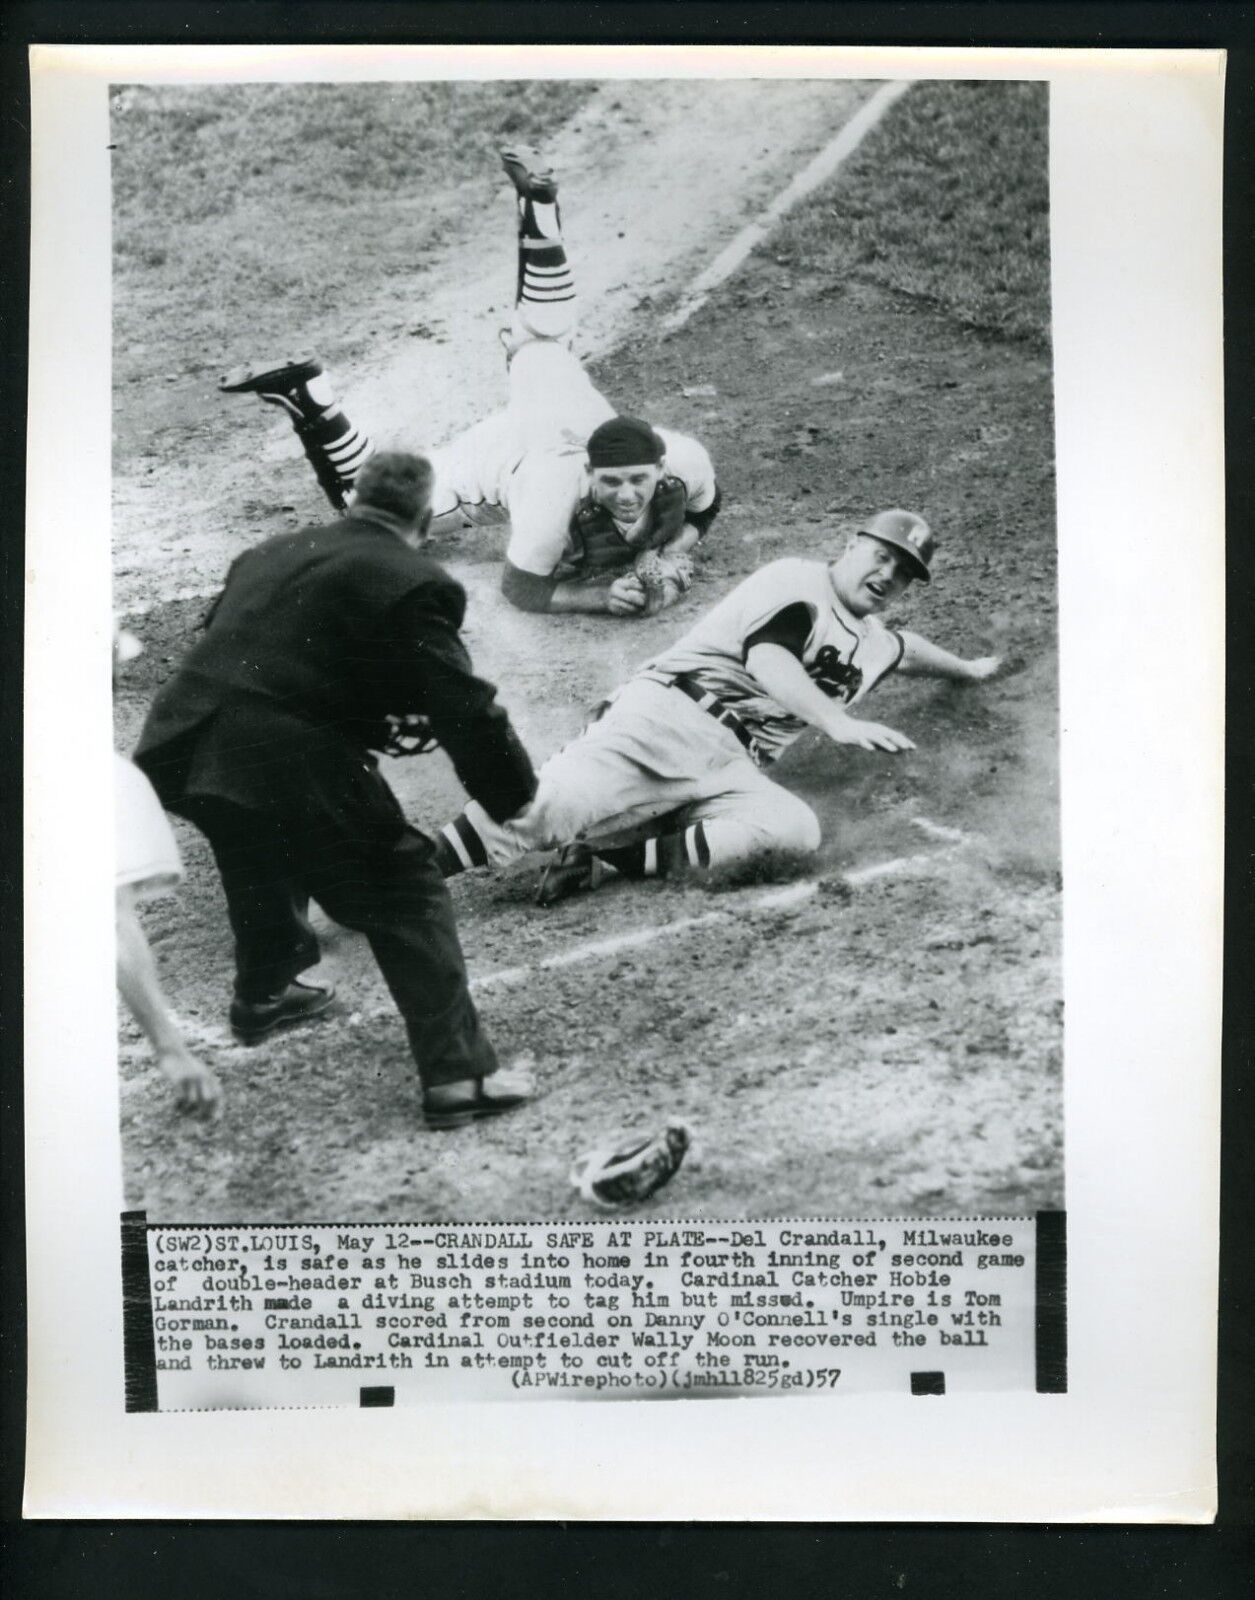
<point>318,637</point>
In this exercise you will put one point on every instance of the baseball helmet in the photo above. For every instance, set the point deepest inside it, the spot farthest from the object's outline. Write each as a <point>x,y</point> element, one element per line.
<point>908,533</point>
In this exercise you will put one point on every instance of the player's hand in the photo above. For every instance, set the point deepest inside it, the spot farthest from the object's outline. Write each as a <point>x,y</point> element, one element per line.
<point>196,1090</point>
<point>626,596</point>
<point>868,735</point>
<point>983,667</point>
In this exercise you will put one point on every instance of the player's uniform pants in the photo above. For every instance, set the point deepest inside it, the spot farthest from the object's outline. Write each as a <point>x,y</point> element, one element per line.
<point>523,462</point>
<point>653,754</point>
<point>146,855</point>
<point>387,888</point>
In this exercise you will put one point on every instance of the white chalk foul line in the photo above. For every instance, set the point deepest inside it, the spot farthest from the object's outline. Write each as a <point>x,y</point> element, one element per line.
<point>937,830</point>
<point>837,150</point>
<point>782,899</point>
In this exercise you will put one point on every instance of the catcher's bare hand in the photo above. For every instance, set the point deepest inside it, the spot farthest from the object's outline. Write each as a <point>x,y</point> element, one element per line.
<point>868,735</point>
<point>196,1090</point>
<point>983,667</point>
<point>626,596</point>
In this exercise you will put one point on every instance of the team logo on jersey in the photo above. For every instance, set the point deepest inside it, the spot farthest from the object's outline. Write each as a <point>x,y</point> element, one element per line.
<point>840,680</point>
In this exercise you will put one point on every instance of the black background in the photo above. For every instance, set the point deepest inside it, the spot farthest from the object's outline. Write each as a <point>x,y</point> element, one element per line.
<point>611,1561</point>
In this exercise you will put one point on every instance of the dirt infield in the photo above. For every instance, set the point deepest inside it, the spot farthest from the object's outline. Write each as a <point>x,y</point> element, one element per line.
<point>883,1037</point>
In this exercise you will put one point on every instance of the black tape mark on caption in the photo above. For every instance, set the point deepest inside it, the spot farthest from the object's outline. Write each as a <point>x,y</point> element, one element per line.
<point>1052,1302</point>
<point>382,1395</point>
<point>139,1345</point>
<point>928,1383</point>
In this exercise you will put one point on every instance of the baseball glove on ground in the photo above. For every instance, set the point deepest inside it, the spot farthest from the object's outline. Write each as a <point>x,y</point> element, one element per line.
<point>664,578</point>
<point>626,1173</point>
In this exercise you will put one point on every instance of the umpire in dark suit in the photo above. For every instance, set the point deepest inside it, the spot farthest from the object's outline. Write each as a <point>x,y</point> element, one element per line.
<point>263,739</point>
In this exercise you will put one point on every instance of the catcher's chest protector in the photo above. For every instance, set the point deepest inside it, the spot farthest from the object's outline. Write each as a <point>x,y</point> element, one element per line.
<point>600,547</point>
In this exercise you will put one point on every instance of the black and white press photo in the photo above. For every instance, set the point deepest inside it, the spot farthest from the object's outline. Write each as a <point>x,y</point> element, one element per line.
<point>646,849</point>
<point>733,554</point>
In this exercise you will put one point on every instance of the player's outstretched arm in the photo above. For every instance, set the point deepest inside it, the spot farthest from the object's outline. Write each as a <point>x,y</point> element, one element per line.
<point>196,1089</point>
<point>785,679</point>
<point>620,597</point>
<point>921,658</point>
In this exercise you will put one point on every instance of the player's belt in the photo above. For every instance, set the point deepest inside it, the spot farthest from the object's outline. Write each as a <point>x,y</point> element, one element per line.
<point>714,707</point>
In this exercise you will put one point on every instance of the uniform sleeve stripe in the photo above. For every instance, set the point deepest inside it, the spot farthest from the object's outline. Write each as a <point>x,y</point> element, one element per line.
<point>790,628</point>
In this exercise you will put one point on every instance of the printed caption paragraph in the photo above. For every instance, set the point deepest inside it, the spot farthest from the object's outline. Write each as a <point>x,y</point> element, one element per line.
<point>297,1315</point>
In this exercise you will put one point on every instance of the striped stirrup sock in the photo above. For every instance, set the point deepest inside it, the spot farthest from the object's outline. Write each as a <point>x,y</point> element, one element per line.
<point>544,279</point>
<point>661,856</point>
<point>459,848</point>
<point>337,451</point>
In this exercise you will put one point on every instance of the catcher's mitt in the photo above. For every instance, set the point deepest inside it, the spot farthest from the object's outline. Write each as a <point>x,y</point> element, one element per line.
<point>664,578</point>
<point>624,1174</point>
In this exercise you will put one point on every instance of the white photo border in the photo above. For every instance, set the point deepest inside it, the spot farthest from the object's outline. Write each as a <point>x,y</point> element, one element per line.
<point>1136,141</point>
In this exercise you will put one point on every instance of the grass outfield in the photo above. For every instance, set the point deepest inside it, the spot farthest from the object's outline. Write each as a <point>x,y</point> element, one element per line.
<point>948,200</point>
<point>199,197</point>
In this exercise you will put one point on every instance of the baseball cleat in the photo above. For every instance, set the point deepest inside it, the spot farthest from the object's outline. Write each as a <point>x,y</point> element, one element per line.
<point>260,380</point>
<point>455,1105</point>
<point>255,1020</point>
<point>532,179</point>
<point>572,870</point>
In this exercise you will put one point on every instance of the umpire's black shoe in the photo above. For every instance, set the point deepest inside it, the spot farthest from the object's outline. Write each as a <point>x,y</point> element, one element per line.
<point>454,1105</point>
<point>253,1020</point>
<point>270,380</point>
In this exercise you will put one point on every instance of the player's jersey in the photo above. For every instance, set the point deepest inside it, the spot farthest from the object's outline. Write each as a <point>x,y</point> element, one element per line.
<point>791,602</point>
<point>545,493</point>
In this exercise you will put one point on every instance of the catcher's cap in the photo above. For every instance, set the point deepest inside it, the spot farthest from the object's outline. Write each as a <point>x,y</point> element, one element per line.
<point>624,441</point>
<point>908,533</point>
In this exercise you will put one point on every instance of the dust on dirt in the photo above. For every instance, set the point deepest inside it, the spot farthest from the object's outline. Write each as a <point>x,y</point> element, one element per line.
<point>890,1047</point>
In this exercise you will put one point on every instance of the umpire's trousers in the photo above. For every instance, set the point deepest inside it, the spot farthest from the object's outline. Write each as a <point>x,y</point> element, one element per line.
<point>387,888</point>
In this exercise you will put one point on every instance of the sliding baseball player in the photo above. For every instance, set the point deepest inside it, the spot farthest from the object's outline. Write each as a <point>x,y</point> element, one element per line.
<point>675,773</point>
